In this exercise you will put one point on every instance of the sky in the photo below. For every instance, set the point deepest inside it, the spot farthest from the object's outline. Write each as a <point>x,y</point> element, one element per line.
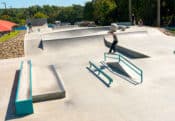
<point>27,3</point>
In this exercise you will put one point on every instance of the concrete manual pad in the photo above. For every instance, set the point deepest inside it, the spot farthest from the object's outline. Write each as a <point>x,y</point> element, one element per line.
<point>47,84</point>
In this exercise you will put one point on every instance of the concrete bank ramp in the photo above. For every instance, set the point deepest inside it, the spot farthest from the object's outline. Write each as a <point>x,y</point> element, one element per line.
<point>133,54</point>
<point>75,33</point>
<point>78,42</point>
<point>47,84</point>
<point>75,37</point>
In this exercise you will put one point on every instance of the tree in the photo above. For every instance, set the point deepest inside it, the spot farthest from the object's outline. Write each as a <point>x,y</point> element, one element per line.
<point>5,17</point>
<point>40,15</point>
<point>122,11</point>
<point>33,10</point>
<point>146,10</point>
<point>71,14</point>
<point>104,11</point>
<point>77,13</point>
<point>88,11</point>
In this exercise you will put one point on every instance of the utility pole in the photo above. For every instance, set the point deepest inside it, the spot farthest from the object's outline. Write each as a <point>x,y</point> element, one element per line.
<point>4,3</point>
<point>158,12</point>
<point>130,9</point>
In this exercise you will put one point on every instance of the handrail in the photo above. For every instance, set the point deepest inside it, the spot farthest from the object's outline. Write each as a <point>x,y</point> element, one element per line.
<point>123,59</point>
<point>131,64</point>
<point>101,72</point>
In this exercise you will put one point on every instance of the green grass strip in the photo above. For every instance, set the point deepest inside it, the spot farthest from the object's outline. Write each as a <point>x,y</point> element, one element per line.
<point>9,36</point>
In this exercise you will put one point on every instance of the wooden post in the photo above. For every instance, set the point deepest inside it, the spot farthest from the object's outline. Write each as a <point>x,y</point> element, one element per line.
<point>130,9</point>
<point>158,12</point>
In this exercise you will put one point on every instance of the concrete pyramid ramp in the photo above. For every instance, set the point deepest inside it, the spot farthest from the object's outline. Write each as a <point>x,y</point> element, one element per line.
<point>119,64</point>
<point>117,68</point>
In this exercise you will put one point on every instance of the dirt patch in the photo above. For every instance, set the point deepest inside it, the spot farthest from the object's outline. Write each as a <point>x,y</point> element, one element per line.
<point>13,48</point>
<point>167,32</point>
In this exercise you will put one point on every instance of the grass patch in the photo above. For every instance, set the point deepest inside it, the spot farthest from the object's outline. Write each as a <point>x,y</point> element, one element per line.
<point>9,36</point>
<point>172,31</point>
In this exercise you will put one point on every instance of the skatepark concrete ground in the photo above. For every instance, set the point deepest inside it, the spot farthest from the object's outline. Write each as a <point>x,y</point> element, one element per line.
<point>87,98</point>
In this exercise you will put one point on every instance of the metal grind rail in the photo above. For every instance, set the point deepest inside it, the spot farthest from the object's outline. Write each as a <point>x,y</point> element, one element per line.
<point>121,59</point>
<point>97,71</point>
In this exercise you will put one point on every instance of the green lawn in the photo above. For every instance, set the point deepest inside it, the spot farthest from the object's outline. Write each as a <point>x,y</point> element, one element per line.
<point>9,36</point>
<point>173,32</point>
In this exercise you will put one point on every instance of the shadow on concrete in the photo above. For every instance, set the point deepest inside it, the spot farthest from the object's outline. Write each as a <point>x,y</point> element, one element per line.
<point>41,45</point>
<point>126,52</point>
<point>130,53</point>
<point>59,79</point>
<point>10,114</point>
<point>103,81</point>
<point>116,69</point>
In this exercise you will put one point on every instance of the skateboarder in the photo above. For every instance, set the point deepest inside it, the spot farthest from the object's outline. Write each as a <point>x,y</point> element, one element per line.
<point>114,43</point>
<point>30,27</point>
<point>133,19</point>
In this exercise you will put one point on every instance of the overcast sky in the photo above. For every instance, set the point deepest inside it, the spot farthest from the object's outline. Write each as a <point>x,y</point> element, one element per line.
<point>27,3</point>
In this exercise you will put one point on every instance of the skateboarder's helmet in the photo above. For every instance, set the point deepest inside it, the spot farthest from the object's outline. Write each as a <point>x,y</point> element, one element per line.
<point>113,27</point>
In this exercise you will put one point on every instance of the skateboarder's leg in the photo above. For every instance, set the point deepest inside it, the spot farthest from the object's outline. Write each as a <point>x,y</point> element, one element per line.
<point>110,50</point>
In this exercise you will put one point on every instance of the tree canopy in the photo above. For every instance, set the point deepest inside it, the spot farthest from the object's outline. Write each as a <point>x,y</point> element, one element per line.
<point>40,15</point>
<point>103,12</point>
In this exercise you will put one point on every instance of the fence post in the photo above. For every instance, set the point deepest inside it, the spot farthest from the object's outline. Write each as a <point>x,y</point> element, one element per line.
<point>90,65</point>
<point>104,56</point>
<point>119,58</point>
<point>141,76</point>
<point>98,72</point>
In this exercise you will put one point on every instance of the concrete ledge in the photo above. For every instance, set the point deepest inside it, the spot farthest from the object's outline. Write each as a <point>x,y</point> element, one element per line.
<point>47,87</point>
<point>48,96</point>
<point>23,101</point>
<point>24,107</point>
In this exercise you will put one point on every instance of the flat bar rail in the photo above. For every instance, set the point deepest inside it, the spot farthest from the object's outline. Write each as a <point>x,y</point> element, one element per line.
<point>125,61</point>
<point>99,71</point>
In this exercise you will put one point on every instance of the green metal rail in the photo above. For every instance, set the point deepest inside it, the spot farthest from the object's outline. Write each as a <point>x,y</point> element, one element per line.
<point>99,71</point>
<point>124,60</point>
